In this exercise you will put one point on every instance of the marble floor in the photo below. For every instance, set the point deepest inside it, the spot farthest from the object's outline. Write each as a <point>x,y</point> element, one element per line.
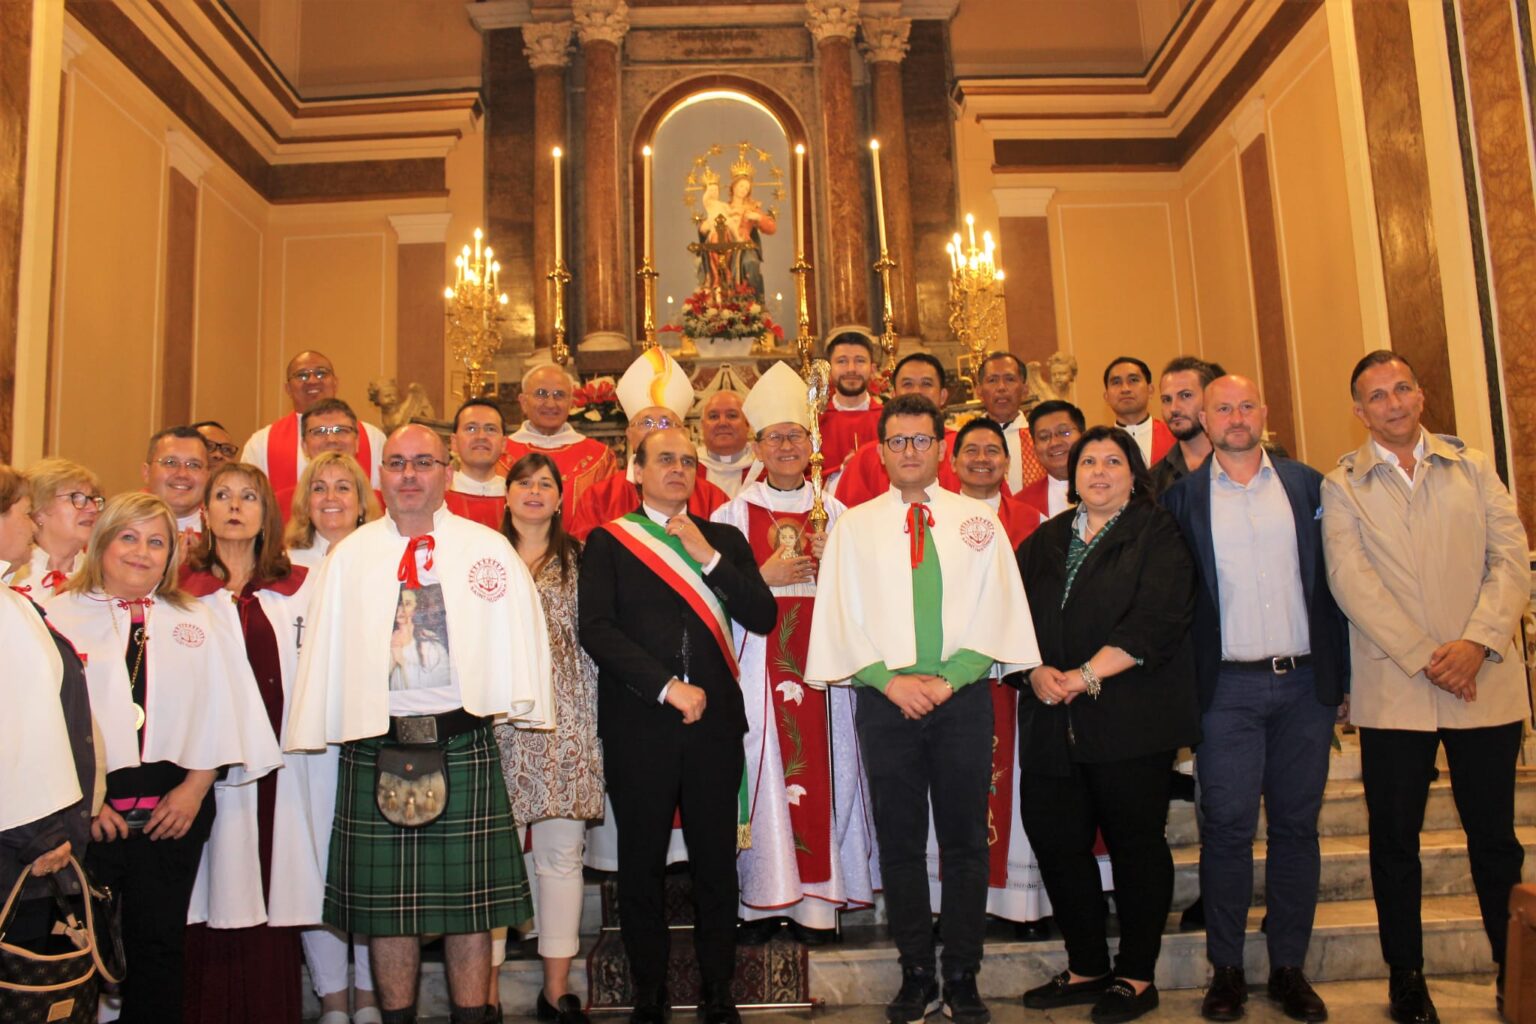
<point>1460,998</point>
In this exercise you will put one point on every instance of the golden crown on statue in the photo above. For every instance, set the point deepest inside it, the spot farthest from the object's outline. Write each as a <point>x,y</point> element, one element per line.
<point>741,167</point>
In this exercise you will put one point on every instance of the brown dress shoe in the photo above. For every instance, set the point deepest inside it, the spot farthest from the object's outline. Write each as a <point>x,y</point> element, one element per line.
<point>1225,996</point>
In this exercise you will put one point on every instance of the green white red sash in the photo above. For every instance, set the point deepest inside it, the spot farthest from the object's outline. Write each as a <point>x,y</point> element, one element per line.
<point>664,555</point>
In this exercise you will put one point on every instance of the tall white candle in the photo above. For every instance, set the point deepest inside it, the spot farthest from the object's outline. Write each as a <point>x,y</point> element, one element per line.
<point>558,217</point>
<point>799,198</point>
<point>645,213</point>
<point>874,152</point>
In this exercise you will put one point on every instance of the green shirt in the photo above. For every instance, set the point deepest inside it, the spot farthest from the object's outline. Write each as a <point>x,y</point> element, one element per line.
<point>962,667</point>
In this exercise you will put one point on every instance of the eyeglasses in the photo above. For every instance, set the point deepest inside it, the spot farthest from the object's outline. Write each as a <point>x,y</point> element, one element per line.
<point>542,393</point>
<point>80,500</point>
<point>337,430</point>
<point>1066,432</point>
<point>421,463</point>
<point>229,451</point>
<point>478,428</point>
<point>305,376</point>
<point>652,423</point>
<point>176,465</point>
<point>780,440</point>
<point>919,442</point>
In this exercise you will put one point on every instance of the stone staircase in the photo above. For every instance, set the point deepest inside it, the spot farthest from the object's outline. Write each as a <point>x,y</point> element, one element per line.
<point>863,969</point>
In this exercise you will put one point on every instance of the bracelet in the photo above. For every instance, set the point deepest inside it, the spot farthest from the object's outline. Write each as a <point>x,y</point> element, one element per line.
<point>1092,684</point>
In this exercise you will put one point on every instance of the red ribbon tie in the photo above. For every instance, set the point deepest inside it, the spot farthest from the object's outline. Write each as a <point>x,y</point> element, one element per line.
<point>407,574</point>
<point>914,529</point>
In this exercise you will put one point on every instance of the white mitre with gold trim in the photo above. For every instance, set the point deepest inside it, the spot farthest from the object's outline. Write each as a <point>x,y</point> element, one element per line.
<point>655,379</point>
<point>779,396</point>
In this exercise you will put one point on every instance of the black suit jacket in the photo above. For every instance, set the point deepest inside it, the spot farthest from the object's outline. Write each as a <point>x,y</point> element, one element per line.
<point>634,627</point>
<point>1134,591</point>
<point>1189,501</point>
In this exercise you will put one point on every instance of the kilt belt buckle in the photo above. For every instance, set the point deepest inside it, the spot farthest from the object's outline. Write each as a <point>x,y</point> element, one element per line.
<point>1281,666</point>
<point>416,730</point>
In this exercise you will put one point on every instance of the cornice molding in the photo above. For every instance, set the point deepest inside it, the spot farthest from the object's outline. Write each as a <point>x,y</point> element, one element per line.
<point>420,228</point>
<point>186,156</point>
<point>75,43</point>
<point>1248,123</point>
<point>1022,202</point>
<point>495,14</point>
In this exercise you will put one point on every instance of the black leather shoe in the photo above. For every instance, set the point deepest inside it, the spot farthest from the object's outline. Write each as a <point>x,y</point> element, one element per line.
<point>758,932</point>
<point>1120,1003</point>
<point>918,997</point>
<point>1193,918</point>
<point>1061,991</point>
<point>565,1010</point>
<point>1226,994</point>
<point>810,936</point>
<point>962,1003</point>
<point>717,1007</point>
<point>1409,998</point>
<point>1289,987</point>
<point>1032,931</point>
<point>650,1007</point>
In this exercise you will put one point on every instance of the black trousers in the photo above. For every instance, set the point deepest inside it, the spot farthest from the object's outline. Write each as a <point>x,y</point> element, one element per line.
<point>946,754</point>
<point>648,778</point>
<point>154,879</point>
<point>1396,766</point>
<point>1128,801</point>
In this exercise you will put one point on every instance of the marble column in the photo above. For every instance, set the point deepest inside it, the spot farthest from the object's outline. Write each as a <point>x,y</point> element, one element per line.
<point>931,172</point>
<point>885,44</point>
<point>846,272</point>
<point>187,163</point>
<point>547,45</point>
<point>507,82</point>
<point>421,269</point>
<point>603,277</point>
<point>1029,299</point>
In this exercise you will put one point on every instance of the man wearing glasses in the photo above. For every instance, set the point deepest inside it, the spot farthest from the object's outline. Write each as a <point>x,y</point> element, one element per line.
<point>655,394</point>
<point>221,447</point>
<point>917,634</point>
<point>176,471</point>
<point>1001,386</point>
<point>277,449</point>
<point>329,425</point>
<point>546,402</point>
<point>863,476</point>
<point>426,626</point>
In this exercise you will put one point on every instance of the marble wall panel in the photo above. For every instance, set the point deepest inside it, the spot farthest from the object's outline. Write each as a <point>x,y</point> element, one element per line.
<point>510,164</point>
<point>15,93</point>
<point>1029,298</point>
<point>931,171</point>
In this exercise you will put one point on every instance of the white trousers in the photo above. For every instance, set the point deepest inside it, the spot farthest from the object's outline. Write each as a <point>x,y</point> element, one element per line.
<point>325,951</point>
<point>554,873</point>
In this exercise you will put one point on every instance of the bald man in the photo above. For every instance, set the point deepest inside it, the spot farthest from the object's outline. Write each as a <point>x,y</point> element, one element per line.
<point>278,449</point>
<point>726,456</point>
<point>546,403</point>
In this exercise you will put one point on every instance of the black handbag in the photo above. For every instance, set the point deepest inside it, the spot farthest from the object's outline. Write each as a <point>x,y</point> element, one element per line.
<point>43,988</point>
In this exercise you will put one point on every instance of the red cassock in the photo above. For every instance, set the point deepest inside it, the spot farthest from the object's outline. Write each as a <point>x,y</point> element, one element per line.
<point>1019,519</point>
<point>482,508</point>
<point>616,496</point>
<point>865,477</point>
<point>1038,494</point>
<point>583,464</point>
<point>843,431</point>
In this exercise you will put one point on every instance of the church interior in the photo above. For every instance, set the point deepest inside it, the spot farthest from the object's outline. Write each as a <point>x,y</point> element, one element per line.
<point>440,195</point>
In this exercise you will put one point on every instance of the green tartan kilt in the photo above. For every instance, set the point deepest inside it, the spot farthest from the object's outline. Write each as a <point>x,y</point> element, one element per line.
<point>462,873</point>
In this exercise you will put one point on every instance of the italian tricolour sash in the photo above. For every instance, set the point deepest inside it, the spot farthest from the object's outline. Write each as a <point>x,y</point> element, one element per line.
<point>664,555</point>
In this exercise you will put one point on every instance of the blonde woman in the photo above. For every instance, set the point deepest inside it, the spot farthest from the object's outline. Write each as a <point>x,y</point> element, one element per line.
<point>332,499</point>
<point>175,702</point>
<point>66,499</point>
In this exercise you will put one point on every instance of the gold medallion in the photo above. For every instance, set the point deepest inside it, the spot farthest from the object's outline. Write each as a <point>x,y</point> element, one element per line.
<point>138,716</point>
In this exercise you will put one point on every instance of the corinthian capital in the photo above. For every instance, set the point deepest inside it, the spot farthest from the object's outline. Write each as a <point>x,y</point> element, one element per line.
<point>601,21</point>
<point>832,19</point>
<point>547,44</point>
<point>885,39</point>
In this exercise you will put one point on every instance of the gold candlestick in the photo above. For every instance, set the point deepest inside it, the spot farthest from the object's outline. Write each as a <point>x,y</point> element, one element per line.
<point>818,379</point>
<point>559,278</point>
<point>805,345</point>
<point>647,275</point>
<point>888,338</point>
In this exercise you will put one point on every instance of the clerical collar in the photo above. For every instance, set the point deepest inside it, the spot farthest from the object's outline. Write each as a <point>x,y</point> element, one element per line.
<point>566,435</point>
<point>1145,421</point>
<point>840,405</point>
<point>784,490</point>
<point>463,483</point>
<point>995,502</point>
<point>729,460</point>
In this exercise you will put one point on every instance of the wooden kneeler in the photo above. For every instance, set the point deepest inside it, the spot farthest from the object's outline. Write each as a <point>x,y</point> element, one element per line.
<point>1520,958</point>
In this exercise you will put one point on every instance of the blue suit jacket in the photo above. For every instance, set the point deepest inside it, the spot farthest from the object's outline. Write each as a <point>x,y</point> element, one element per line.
<point>1189,501</point>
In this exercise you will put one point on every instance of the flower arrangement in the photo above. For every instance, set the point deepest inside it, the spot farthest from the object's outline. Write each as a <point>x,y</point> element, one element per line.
<point>737,314</point>
<point>595,400</point>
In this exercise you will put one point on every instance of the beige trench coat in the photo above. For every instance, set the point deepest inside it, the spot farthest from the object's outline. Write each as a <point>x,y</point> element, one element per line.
<point>1415,569</point>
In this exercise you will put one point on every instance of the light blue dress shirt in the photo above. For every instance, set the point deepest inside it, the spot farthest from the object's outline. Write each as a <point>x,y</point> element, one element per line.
<point>1258,569</point>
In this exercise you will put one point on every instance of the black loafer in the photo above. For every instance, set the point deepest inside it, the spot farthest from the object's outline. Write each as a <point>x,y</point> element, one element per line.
<point>1409,998</point>
<point>565,1010</point>
<point>1120,1003</point>
<point>1225,996</point>
<point>1296,996</point>
<point>1062,991</point>
<point>650,1007</point>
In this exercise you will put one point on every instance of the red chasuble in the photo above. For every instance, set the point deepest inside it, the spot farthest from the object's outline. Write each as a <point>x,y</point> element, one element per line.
<point>583,464</point>
<point>865,476</point>
<point>1019,519</point>
<point>283,454</point>
<point>482,508</point>
<point>842,431</point>
<point>801,713</point>
<point>1038,494</point>
<point>616,496</point>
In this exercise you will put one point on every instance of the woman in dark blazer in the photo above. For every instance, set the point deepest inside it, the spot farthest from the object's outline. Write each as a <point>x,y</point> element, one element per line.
<point>1111,589</point>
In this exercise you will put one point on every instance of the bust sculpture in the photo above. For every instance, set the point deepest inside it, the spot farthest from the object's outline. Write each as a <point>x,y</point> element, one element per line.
<point>394,411</point>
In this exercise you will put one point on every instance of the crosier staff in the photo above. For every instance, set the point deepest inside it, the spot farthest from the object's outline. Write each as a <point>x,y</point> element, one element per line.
<point>818,378</point>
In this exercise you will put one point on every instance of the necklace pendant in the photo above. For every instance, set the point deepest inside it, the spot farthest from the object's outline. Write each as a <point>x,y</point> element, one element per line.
<point>138,716</point>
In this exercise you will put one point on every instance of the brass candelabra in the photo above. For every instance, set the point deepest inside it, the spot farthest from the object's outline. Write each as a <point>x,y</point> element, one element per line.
<point>559,278</point>
<point>975,296</point>
<point>888,339</point>
<point>805,344</point>
<point>475,313</point>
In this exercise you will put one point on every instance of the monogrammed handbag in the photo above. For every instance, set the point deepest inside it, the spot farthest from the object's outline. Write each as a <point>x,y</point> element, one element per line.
<point>41,988</point>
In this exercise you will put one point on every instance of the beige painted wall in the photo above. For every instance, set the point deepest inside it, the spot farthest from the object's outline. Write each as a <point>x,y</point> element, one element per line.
<point>1218,248</point>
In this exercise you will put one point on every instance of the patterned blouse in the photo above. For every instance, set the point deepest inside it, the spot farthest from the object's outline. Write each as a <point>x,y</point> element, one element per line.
<point>1077,548</point>
<point>558,773</point>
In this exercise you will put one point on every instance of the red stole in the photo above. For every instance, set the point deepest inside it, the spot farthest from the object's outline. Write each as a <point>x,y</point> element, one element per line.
<point>842,431</point>
<point>485,509</point>
<point>583,464</point>
<point>283,452</point>
<point>800,713</point>
<point>1019,519</point>
<point>1000,801</point>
